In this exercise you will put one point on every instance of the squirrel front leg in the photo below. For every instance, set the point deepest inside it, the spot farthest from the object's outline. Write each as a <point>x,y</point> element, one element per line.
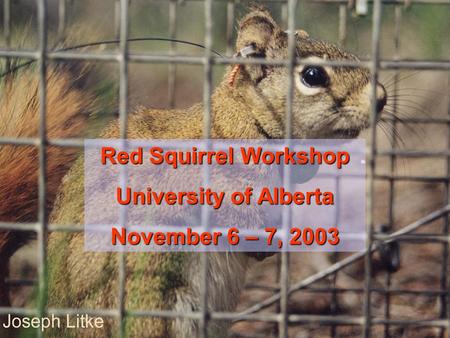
<point>172,282</point>
<point>154,280</point>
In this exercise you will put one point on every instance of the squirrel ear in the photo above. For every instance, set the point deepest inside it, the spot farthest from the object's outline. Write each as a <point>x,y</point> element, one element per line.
<point>257,33</point>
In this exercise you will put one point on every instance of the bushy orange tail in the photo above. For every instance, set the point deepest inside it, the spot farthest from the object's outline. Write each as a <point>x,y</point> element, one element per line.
<point>68,107</point>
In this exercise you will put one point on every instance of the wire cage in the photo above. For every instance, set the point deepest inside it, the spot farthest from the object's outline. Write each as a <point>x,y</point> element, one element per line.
<point>366,322</point>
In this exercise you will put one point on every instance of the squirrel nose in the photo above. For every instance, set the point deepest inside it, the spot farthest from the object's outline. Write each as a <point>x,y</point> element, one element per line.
<point>381,97</point>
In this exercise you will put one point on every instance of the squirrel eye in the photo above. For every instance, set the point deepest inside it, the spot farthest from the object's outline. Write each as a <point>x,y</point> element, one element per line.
<point>313,76</point>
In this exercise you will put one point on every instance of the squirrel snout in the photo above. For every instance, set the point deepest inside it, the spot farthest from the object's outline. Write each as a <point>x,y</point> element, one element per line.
<point>381,97</point>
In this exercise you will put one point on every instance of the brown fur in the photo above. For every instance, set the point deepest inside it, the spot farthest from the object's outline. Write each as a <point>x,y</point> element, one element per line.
<point>68,108</point>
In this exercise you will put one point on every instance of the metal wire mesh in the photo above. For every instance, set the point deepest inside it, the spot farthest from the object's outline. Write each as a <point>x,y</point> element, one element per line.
<point>283,318</point>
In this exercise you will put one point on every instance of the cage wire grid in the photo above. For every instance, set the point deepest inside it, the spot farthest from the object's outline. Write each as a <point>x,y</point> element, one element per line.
<point>281,294</point>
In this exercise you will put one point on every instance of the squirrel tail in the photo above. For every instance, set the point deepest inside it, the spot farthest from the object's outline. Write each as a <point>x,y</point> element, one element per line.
<point>68,108</point>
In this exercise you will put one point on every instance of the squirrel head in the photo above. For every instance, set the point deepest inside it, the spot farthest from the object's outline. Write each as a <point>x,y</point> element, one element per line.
<point>329,102</point>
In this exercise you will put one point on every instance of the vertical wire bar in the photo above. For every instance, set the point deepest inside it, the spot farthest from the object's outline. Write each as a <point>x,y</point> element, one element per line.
<point>7,30</point>
<point>172,66</point>
<point>334,299</point>
<point>342,34</point>
<point>276,330</point>
<point>278,267</point>
<point>342,29</point>
<point>376,27</point>
<point>207,85</point>
<point>123,126</point>
<point>207,88</point>
<point>280,264</point>
<point>117,6</point>
<point>445,285</point>
<point>230,24</point>
<point>7,21</point>
<point>62,9</point>
<point>42,232</point>
<point>284,15</point>
<point>286,216</point>
<point>393,162</point>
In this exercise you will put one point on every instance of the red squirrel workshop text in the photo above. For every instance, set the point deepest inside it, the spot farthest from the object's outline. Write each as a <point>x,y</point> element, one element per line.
<point>248,156</point>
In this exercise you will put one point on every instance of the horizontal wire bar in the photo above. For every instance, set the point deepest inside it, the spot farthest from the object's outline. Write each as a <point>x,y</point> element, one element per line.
<point>17,282</point>
<point>80,228</point>
<point>77,142</point>
<point>34,227</point>
<point>20,141</point>
<point>30,141</point>
<point>14,310</point>
<point>387,2</point>
<point>416,237</point>
<point>76,311</point>
<point>435,179</point>
<point>67,142</point>
<point>272,317</point>
<point>200,60</point>
<point>330,289</point>
<point>19,226</point>
<point>427,120</point>
<point>23,54</point>
<point>414,153</point>
<point>349,320</point>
